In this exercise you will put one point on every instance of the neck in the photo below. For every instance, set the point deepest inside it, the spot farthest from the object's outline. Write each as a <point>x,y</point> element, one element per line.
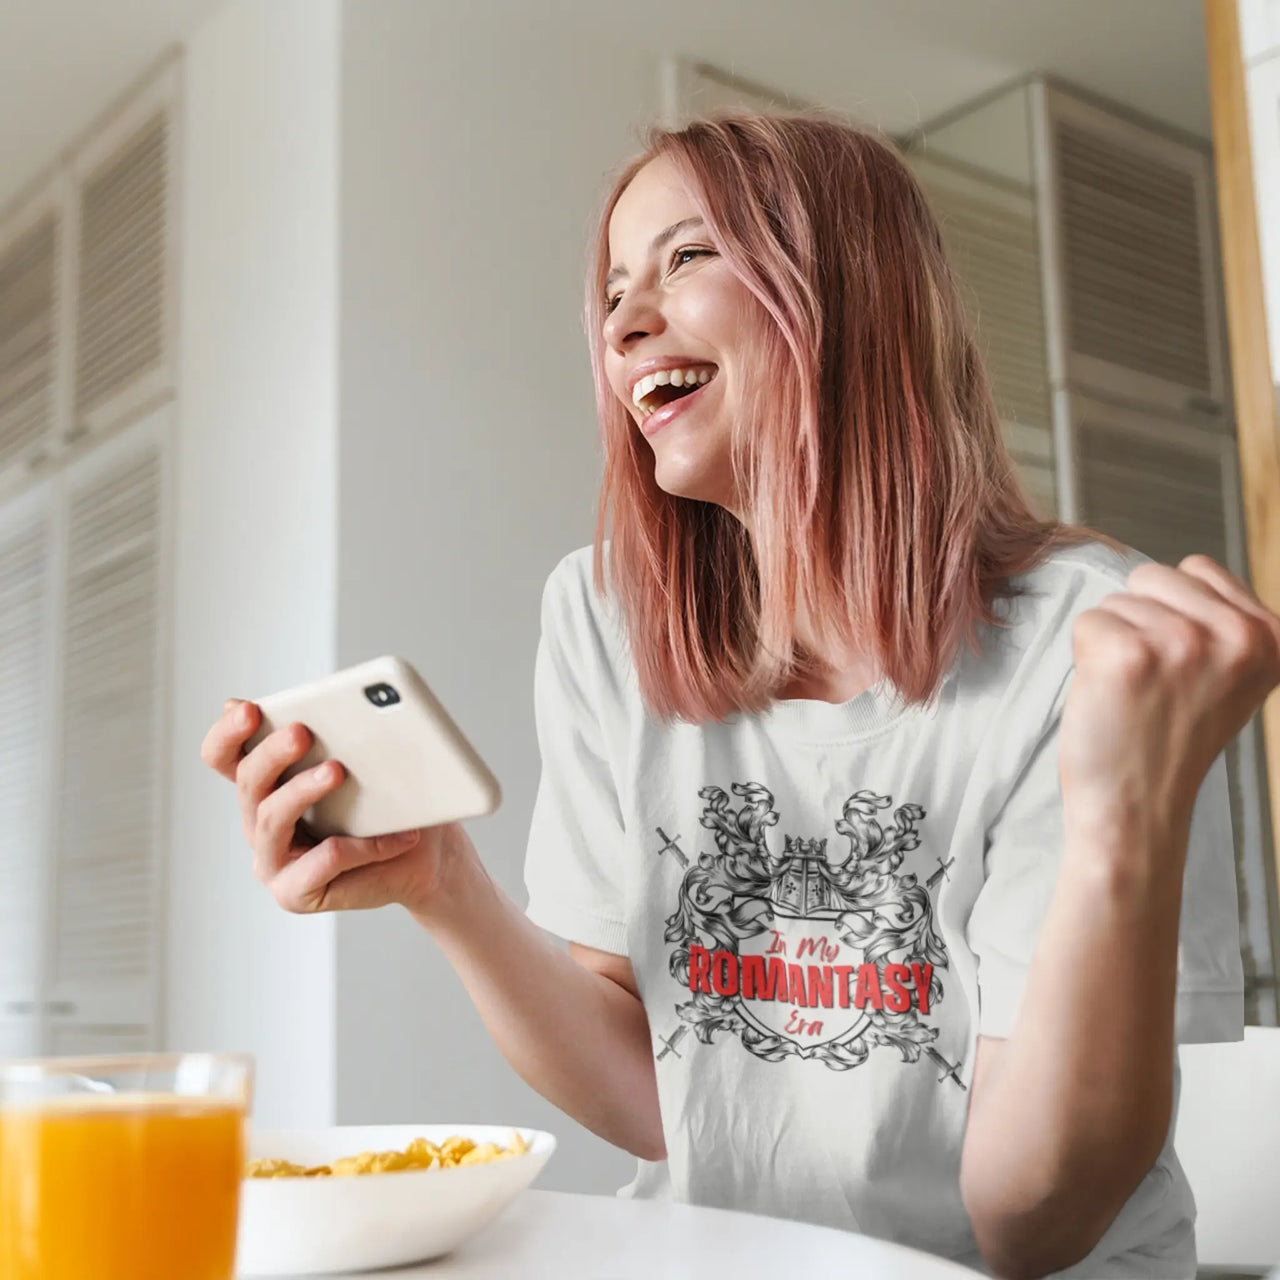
<point>831,684</point>
<point>830,675</point>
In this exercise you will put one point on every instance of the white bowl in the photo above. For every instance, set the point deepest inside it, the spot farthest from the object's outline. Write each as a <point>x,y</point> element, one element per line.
<point>307,1226</point>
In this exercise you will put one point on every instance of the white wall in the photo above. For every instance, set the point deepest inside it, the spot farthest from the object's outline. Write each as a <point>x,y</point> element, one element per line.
<point>388,439</point>
<point>1260,37</point>
<point>256,511</point>
<point>474,151</point>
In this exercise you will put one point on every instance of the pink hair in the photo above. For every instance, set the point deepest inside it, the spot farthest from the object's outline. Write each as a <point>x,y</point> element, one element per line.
<point>871,461</point>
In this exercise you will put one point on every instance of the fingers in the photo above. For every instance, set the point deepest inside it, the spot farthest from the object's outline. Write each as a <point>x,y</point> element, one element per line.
<point>1225,583</point>
<point>1156,628</point>
<point>1195,595</point>
<point>277,816</point>
<point>1195,622</point>
<point>1237,593</point>
<point>1198,586</point>
<point>332,875</point>
<point>1105,634</point>
<point>1245,630</point>
<point>223,745</point>
<point>259,772</point>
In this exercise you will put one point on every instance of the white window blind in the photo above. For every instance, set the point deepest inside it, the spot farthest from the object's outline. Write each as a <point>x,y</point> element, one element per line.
<point>1132,242</point>
<point>24,627</point>
<point>86,388</point>
<point>105,917</point>
<point>121,268</point>
<point>989,229</point>
<point>27,268</point>
<point>1135,225</point>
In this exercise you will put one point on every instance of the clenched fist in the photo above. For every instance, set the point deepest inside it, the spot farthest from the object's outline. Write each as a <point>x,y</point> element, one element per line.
<point>1166,674</point>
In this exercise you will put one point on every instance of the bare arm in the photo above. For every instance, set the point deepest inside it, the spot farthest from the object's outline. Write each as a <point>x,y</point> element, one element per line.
<point>1070,1112</point>
<point>572,1026</point>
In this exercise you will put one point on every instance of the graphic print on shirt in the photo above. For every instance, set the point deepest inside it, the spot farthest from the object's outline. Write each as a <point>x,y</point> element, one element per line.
<point>804,953</point>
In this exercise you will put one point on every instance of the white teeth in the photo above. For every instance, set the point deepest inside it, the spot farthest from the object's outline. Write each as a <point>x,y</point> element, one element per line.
<point>686,377</point>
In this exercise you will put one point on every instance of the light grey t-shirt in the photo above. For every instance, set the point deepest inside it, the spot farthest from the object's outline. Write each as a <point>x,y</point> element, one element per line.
<point>825,905</point>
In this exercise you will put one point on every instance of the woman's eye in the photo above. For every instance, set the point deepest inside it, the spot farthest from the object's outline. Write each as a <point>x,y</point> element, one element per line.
<point>678,259</point>
<point>688,253</point>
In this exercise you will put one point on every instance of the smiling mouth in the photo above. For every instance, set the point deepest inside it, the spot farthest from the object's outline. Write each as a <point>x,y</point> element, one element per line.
<point>669,390</point>
<point>658,419</point>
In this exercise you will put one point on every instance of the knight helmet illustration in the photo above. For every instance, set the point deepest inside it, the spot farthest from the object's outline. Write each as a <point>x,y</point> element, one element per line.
<point>802,883</point>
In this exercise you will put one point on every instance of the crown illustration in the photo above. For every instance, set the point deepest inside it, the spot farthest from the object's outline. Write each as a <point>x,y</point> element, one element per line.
<point>802,883</point>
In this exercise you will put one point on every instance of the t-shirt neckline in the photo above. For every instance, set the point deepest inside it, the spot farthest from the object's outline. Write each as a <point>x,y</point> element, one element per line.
<point>874,710</point>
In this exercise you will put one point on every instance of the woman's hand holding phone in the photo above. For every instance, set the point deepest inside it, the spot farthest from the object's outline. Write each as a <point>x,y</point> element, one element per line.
<point>576,1032</point>
<point>340,873</point>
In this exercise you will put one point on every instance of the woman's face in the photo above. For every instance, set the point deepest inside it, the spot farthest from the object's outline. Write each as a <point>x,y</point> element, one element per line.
<point>678,317</point>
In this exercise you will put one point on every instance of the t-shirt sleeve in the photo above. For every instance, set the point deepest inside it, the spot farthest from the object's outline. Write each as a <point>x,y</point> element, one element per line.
<point>574,860</point>
<point>1024,847</point>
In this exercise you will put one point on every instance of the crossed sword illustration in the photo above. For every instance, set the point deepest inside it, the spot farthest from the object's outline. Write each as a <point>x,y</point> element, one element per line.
<point>950,1071</point>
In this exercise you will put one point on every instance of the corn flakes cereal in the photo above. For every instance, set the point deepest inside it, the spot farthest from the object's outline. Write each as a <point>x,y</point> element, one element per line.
<point>284,1169</point>
<point>419,1154</point>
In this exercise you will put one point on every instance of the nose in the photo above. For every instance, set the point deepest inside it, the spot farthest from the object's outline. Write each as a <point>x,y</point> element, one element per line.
<point>636,316</point>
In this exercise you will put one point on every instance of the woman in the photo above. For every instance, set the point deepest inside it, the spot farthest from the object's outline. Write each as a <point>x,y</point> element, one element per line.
<point>887,824</point>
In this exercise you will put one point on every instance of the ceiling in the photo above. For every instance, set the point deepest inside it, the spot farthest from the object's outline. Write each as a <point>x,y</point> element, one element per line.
<point>901,63</point>
<point>895,63</point>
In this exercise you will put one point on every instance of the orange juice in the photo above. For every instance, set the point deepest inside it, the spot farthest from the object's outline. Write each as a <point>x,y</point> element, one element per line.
<point>120,1187</point>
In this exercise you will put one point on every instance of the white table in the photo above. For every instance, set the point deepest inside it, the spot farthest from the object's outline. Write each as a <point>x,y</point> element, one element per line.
<point>556,1235</point>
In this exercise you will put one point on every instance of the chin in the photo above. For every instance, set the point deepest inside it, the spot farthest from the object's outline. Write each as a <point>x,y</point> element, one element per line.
<point>697,488</point>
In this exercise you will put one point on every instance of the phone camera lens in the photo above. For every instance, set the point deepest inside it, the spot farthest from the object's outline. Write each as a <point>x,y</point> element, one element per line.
<point>382,695</point>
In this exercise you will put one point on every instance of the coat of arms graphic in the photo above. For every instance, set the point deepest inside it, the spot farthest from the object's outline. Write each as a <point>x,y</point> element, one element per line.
<point>804,953</point>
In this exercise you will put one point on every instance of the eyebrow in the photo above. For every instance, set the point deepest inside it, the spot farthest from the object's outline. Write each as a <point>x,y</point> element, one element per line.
<point>616,273</point>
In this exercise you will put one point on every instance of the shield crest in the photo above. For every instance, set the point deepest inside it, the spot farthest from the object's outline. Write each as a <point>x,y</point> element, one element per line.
<point>758,936</point>
<point>810,950</point>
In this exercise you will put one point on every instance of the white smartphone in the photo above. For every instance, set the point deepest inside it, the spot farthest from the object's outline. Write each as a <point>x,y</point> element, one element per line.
<point>407,764</point>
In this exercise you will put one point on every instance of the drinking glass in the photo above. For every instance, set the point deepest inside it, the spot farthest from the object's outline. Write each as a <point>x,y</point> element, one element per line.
<point>122,1168</point>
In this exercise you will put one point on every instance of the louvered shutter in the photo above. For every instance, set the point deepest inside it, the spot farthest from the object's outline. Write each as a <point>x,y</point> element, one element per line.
<point>87,315</point>
<point>99,1038</point>
<point>28,266</point>
<point>102,988</point>
<point>122,277</point>
<point>1162,496</point>
<point>24,710</point>
<point>989,230</point>
<point>1131,317</point>
<point>1135,220</point>
<point>1167,490</point>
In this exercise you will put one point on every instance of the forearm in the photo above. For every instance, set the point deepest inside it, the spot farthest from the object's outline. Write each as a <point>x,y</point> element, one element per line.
<point>1080,1102</point>
<point>578,1038</point>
